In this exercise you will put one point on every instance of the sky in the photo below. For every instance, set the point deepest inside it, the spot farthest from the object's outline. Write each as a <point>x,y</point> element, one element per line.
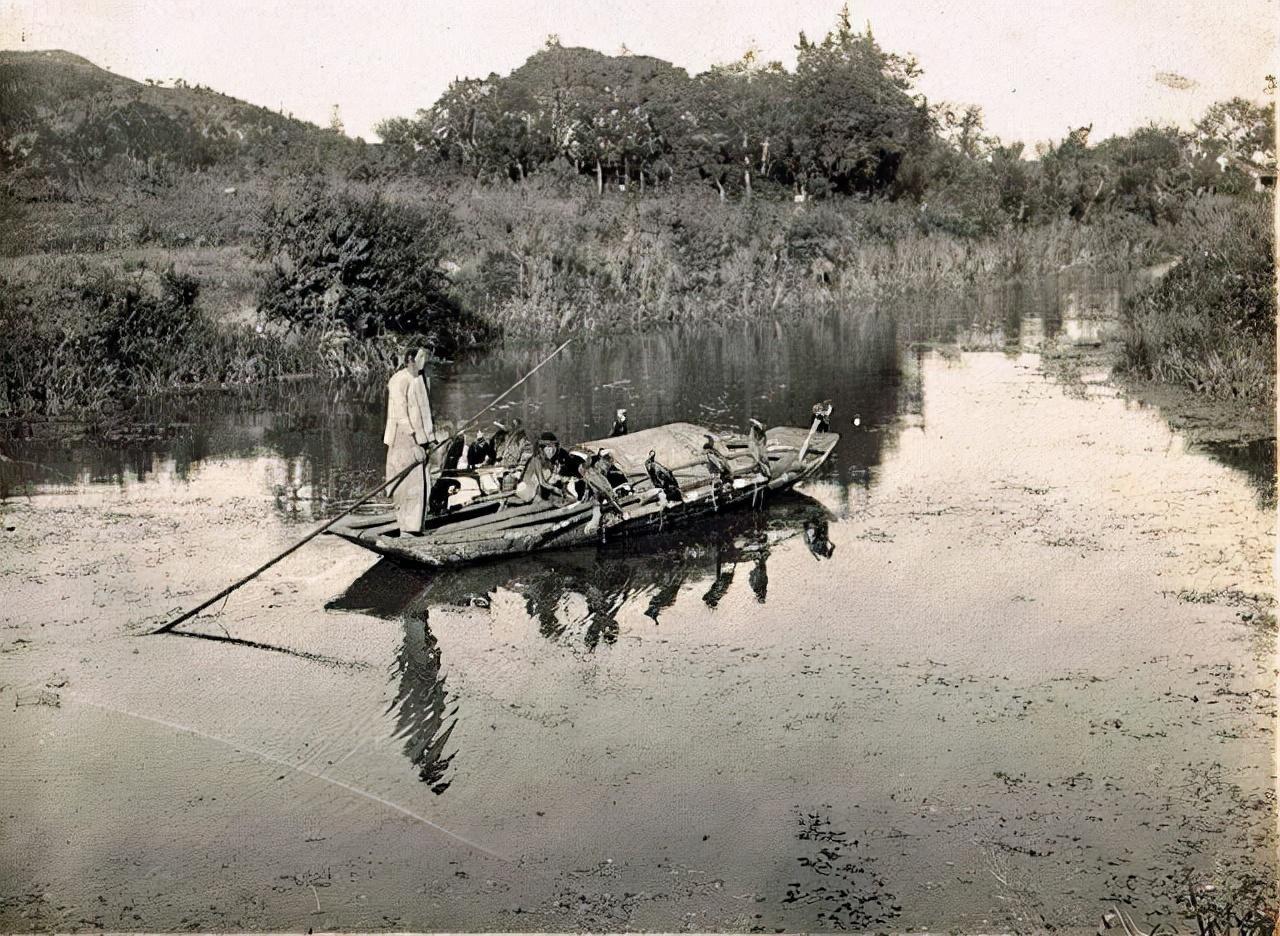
<point>1036,68</point>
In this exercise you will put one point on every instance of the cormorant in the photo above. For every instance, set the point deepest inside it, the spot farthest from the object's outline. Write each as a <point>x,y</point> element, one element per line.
<point>603,459</point>
<point>662,479</point>
<point>453,453</point>
<point>758,446</point>
<point>619,424</point>
<point>718,464</point>
<point>592,474</point>
<point>481,451</point>
<point>822,413</point>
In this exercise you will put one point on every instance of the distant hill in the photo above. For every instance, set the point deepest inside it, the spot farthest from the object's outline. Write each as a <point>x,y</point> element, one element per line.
<point>62,117</point>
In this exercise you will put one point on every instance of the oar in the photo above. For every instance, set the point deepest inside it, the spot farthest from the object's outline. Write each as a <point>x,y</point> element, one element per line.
<point>368,495</point>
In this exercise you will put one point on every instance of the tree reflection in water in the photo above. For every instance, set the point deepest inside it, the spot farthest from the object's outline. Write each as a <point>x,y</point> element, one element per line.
<point>652,570</point>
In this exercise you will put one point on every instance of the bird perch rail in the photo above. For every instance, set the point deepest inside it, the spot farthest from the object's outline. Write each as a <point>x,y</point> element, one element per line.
<point>363,499</point>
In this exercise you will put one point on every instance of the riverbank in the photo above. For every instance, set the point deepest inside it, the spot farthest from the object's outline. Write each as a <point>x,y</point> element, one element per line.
<point>1201,419</point>
<point>1209,325</point>
<point>332,277</point>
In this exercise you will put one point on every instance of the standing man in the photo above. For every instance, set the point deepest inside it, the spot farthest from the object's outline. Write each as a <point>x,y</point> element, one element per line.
<point>409,431</point>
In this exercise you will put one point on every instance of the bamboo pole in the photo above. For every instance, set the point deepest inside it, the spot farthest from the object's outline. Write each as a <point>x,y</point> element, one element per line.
<point>368,495</point>
<point>804,449</point>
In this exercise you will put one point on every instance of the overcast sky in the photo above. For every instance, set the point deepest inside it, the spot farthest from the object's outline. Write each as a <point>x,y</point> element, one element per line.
<point>1036,67</point>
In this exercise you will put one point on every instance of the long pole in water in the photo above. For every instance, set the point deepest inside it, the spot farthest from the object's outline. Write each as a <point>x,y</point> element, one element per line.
<point>368,495</point>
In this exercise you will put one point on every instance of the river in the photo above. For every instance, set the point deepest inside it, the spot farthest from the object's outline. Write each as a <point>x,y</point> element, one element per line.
<point>1006,663</point>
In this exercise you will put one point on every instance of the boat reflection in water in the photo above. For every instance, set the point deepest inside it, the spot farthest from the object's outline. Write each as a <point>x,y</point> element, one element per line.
<point>652,570</point>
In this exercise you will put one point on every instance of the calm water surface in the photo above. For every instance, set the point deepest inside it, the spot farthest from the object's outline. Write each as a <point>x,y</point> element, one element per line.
<point>999,667</point>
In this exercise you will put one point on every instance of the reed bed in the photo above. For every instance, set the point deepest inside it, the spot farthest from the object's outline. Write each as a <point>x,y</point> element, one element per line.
<point>1210,324</point>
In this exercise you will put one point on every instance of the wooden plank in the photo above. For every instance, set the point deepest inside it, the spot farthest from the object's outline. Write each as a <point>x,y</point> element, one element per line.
<point>373,532</point>
<point>516,518</point>
<point>362,522</point>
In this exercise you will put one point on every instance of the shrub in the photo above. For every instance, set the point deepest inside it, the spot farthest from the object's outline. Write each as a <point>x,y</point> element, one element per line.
<point>81,340</point>
<point>360,262</point>
<point>1209,324</point>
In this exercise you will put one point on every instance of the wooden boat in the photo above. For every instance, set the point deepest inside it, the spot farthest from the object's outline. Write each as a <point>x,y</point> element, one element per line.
<point>484,521</point>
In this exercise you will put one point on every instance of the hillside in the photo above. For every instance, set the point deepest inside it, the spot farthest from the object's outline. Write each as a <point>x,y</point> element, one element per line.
<point>61,117</point>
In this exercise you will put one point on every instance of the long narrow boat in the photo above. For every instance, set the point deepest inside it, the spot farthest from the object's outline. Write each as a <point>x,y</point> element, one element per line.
<point>484,520</point>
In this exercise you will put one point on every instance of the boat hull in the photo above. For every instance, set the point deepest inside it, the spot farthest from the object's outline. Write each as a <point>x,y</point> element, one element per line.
<point>491,527</point>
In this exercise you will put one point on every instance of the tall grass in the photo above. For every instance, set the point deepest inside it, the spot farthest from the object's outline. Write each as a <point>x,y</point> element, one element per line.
<point>1210,324</point>
<point>537,263</point>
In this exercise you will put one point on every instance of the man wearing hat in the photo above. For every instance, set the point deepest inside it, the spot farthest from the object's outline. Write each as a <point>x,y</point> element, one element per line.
<point>408,432</point>
<point>548,472</point>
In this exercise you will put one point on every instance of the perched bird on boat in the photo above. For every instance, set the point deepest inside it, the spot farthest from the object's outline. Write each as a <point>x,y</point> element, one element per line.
<point>619,424</point>
<point>453,452</point>
<point>663,479</point>
<point>597,483</point>
<point>758,446</point>
<point>717,459</point>
<point>718,465</point>
<point>822,415</point>
<point>481,451</point>
<point>617,478</point>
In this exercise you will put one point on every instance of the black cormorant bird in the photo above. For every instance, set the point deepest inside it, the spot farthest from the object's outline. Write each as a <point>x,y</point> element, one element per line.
<point>453,453</point>
<point>663,480</point>
<point>593,475</point>
<point>619,424</point>
<point>822,414</point>
<point>481,451</point>
<point>718,464</point>
<point>758,446</point>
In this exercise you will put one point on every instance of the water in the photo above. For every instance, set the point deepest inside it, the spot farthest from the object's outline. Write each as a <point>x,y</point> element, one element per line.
<point>1006,662</point>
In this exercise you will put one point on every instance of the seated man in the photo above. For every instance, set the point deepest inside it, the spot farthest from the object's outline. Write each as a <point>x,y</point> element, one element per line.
<point>513,453</point>
<point>548,472</point>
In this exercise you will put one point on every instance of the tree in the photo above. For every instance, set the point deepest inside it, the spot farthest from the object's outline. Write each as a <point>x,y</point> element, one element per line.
<point>733,120</point>
<point>857,119</point>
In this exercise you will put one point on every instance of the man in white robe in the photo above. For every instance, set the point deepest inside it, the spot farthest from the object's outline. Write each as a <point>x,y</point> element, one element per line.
<point>409,431</point>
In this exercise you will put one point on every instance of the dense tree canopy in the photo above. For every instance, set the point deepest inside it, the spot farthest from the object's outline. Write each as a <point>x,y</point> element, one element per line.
<point>847,120</point>
<point>844,121</point>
